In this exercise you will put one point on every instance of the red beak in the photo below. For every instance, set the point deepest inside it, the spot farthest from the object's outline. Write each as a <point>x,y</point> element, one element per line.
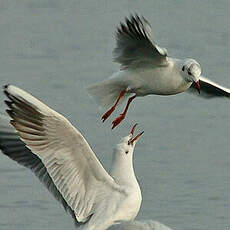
<point>133,129</point>
<point>136,137</point>
<point>198,86</point>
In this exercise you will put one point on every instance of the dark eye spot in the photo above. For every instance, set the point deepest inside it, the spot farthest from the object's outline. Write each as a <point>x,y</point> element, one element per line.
<point>126,152</point>
<point>183,68</point>
<point>189,73</point>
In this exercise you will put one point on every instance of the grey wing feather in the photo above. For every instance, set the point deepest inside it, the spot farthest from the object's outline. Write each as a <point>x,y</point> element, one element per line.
<point>68,158</point>
<point>15,149</point>
<point>134,45</point>
<point>210,89</point>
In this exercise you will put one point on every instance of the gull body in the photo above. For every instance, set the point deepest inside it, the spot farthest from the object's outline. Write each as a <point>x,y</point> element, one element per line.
<point>146,68</point>
<point>61,158</point>
<point>144,81</point>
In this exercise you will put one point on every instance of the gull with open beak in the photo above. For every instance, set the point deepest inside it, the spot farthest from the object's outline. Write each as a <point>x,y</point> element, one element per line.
<point>146,68</point>
<point>61,158</point>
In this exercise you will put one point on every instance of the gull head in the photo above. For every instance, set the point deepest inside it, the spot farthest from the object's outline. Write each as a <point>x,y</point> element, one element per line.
<point>127,144</point>
<point>191,70</point>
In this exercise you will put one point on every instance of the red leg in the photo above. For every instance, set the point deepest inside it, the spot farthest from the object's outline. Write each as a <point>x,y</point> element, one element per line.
<point>109,112</point>
<point>118,120</point>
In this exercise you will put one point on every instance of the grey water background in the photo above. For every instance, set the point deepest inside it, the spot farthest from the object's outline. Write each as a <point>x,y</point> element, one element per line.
<point>55,49</point>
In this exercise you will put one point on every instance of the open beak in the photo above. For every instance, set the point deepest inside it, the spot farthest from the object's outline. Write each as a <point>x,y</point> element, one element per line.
<point>131,141</point>
<point>133,129</point>
<point>198,86</point>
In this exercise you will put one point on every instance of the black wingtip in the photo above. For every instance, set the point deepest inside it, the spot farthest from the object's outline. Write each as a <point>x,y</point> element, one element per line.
<point>134,15</point>
<point>9,112</point>
<point>8,103</point>
<point>6,93</point>
<point>5,87</point>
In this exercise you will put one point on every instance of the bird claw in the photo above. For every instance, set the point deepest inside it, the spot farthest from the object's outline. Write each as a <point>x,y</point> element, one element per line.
<point>107,114</point>
<point>118,120</point>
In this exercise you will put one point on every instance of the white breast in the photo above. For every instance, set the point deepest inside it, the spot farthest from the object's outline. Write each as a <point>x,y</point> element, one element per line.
<point>166,80</point>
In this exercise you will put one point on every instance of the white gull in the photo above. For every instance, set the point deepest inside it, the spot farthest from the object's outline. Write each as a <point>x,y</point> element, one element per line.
<point>62,159</point>
<point>147,69</point>
<point>14,148</point>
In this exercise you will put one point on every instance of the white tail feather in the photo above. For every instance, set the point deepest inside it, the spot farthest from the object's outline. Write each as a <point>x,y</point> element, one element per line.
<point>106,92</point>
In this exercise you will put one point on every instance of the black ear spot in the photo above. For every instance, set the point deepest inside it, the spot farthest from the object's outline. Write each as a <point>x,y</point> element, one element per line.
<point>126,152</point>
<point>183,68</point>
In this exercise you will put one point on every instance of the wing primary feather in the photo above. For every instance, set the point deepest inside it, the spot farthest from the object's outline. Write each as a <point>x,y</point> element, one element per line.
<point>14,148</point>
<point>60,147</point>
<point>135,47</point>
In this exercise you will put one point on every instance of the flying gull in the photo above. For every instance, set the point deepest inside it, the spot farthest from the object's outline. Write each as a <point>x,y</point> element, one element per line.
<point>146,68</point>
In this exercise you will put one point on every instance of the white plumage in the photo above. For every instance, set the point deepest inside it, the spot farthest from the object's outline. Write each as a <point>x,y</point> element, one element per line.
<point>97,199</point>
<point>146,68</point>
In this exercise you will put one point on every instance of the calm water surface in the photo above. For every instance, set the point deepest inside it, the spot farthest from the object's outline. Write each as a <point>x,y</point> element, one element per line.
<point>56,48</point>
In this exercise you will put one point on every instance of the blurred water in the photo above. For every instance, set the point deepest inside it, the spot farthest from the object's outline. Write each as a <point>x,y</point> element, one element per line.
<point>55,49</point>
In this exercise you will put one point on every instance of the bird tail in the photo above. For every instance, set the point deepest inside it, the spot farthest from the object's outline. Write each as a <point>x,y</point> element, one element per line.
<point>106,92</point>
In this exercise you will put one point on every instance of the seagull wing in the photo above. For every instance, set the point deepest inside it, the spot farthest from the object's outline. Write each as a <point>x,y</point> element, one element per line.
<point>14,148</point>
<point>135,47</point>
<point>73,167</point>
<point>210,89</point>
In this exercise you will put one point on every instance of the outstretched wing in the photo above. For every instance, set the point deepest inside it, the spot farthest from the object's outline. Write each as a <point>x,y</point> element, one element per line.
<point>210,89</point>
<point>14,148</point>
<point>135,47</point>
<point>75,170</point>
